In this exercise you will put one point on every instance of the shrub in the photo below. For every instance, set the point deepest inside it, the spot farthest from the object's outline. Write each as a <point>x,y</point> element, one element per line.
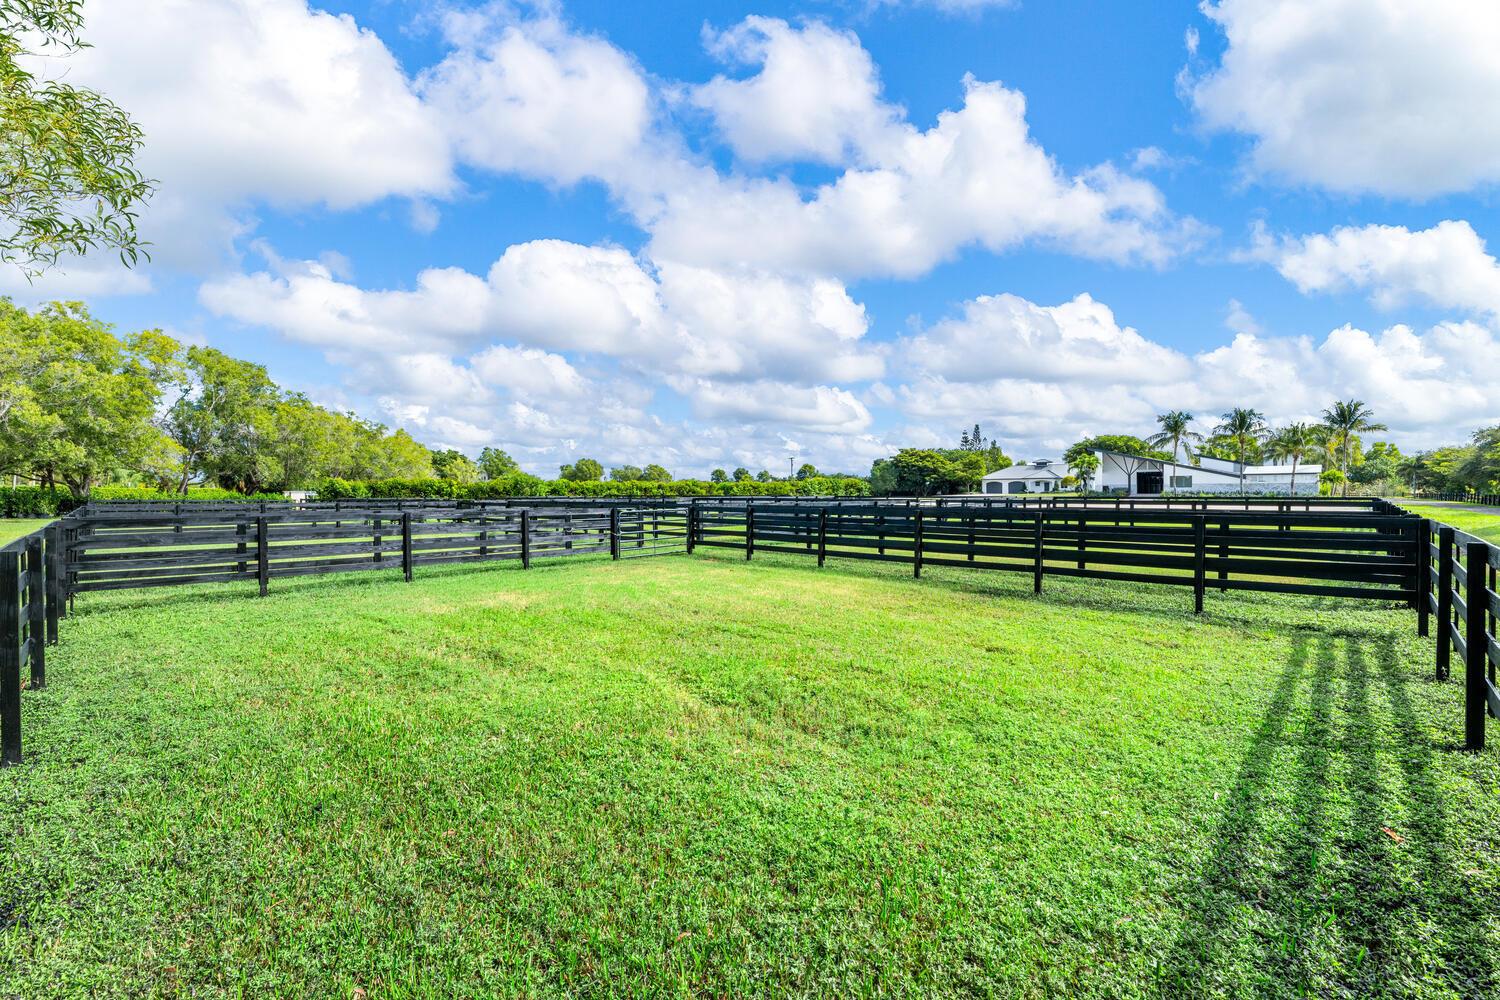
<point>195,494</point>
<point>35,501</point>
<point>519,484</point>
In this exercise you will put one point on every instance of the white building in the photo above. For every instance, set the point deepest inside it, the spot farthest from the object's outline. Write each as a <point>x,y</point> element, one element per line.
<point>1150,477</point>
<point>1042,476</point>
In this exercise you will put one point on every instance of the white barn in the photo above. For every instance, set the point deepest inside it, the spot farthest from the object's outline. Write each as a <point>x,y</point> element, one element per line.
<point>1151,477</point>
<point>1041,476</point>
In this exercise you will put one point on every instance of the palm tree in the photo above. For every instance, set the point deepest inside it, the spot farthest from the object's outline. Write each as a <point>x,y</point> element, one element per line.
<point>1343,420</point>
<point>1245,426</point>
<point>1176,428</point>
<point>1295,442</point>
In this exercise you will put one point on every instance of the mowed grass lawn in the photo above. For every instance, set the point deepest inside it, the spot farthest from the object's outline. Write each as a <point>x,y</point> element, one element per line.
<point>12,528</point>
<point>1476,521</point>
<point>690,776</point>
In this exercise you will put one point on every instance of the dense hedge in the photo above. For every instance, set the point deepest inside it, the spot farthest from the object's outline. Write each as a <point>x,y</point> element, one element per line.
<point>34,501</point>
<point>521,485</point>
<point>195,494</point>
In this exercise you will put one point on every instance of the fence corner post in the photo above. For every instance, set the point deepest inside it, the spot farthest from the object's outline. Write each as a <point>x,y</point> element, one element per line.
<point>525,539</point>
<point>822,535</point>
<point>262,554</point>
<point>1423,583</point>
<point>916,556</point>
<point>1036,565</point>
<point>692,526</point>
<point>749,531</point>
<point>10,658</point>
<point>614,533</point>
<point>54,581</point>
<point>1445,602</point>
<point>35,611</point>
<point>406,554</point>
<point>1200,563</point>
<point>1476,643</point>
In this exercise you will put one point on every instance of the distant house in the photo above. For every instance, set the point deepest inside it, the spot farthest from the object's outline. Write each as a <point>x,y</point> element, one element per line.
<point>1128,474</point>
<point>1042,476</point>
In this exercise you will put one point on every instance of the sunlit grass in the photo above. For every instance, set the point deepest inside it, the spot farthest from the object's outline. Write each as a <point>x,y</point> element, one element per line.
<point>697,776</point>
<point>1478,523</point>
<point>12,528</point>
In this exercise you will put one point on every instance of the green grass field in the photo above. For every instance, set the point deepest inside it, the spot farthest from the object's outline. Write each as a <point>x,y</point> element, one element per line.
<point>12,528</point>
<point>1475,522</point>
<point>690,776</point>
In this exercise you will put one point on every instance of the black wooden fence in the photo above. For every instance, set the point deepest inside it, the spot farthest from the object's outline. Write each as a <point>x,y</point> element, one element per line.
<point>1330,555</point>
<point>1463,598</point>
<point>1481,499</point>
<point>1342,549</point>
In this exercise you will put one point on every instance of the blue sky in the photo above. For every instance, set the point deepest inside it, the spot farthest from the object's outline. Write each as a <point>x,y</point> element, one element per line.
<point>714,234</point>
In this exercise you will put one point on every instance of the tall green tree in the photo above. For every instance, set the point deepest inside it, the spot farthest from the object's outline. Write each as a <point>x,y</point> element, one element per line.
<point>455,466</point>
<point>222,418</point>
<point>1176,430</point>
<point>1243,426</point>
<point>1346,419</point>
<point>494,463</point>
<point>68,180</point>
<point>654,473</point>
<point>585,470</point>
<point>1293,442</point>
<point>76,401</point>
<point>718,476</point>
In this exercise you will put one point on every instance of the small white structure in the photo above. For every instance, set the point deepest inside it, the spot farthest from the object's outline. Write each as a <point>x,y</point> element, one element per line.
<point>1042,476</point>
<point>1152,477</point>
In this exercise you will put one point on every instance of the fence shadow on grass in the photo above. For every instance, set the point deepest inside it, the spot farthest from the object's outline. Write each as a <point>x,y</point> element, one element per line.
<point>1331,872</point>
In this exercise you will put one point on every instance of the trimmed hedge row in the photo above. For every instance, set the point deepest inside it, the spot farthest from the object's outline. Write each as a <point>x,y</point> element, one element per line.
<point>521,485</point>
<point>107,494</point>
<point>35,501</point>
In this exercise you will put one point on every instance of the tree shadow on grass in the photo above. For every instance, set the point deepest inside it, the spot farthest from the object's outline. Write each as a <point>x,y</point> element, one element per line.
<point>1334,870</point>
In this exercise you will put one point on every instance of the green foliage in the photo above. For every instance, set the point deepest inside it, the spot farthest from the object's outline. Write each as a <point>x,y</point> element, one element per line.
<point>656,474</point>
<point>585,470</point>
<point>806,471</point>
<point>742,475</point>
<point>926,472</point>
<point>625,474</point>
<point>34,501</point>
<point>75,400</point>
<point>1123,444</point>
<point>522,485</point>
<point>1085,468</point>
<point>455,466</point>
<point>1177,431</point>
<point>67,154</point>
<point>194,494</point>
<point>495,463</point>
<point>718,476</point>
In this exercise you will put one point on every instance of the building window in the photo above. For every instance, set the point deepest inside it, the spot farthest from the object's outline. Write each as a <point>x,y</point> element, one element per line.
<point>1181,482</point>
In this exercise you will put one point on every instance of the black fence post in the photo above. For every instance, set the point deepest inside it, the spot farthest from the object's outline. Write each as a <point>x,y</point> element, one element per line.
<point>1423,582</point>
<point>749,532</point>
<point>525,539</point>
<point>407,556</point>
<point>376,539</point>
<point>692,527</point>
<point>1445,601</point>
<point>54,582</point>
<point>1200,561</point>
<point>822,535</point>
<point>1223,556</point>
<point>36,616</point>
<point>1036,562</point>
<point>1477,645</point>
<point>262,555</point>
<point>10,658</point>
<point>916,553</point>
<point>614,533</point>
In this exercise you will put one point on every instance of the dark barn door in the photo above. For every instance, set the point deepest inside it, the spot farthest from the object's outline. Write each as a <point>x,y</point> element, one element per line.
<point>1148,482</point>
